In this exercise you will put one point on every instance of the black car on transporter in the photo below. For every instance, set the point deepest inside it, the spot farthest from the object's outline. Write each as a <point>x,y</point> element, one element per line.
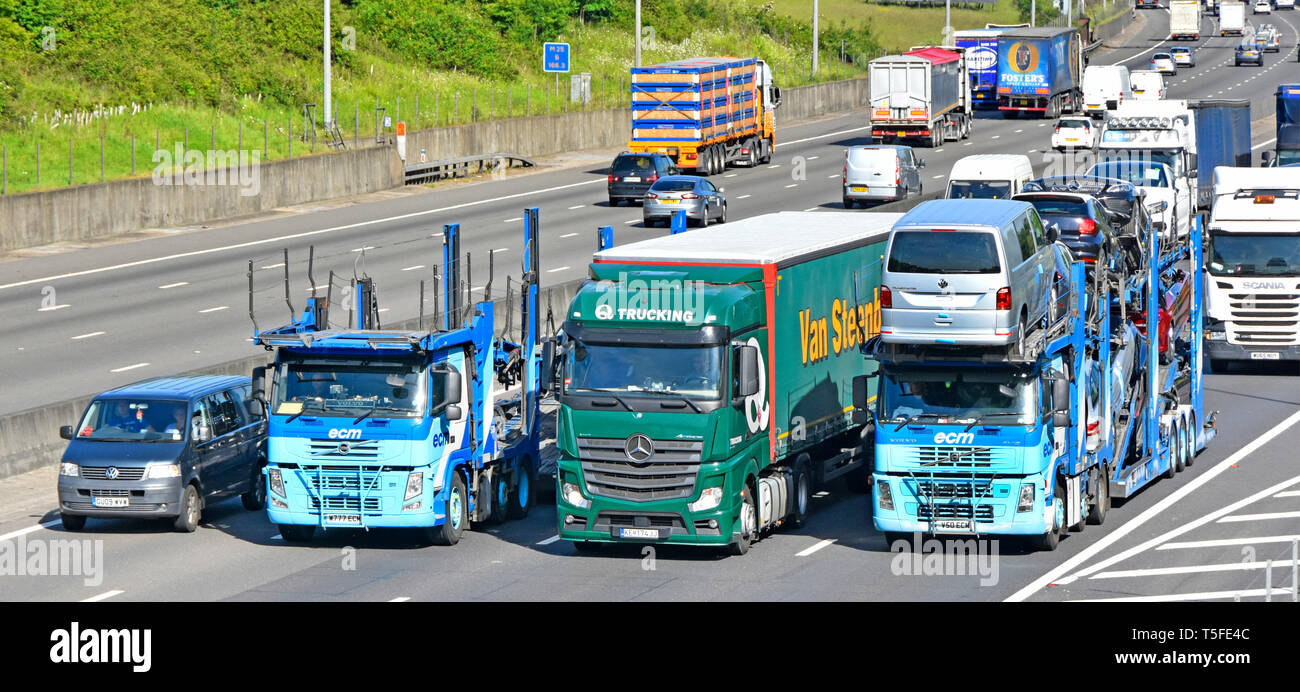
<point>1093,214</point>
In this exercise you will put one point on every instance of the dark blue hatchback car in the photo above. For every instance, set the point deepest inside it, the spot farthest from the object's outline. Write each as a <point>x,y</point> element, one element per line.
<point>164,448</point>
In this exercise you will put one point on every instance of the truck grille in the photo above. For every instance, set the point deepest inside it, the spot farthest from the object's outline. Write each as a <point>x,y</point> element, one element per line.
<point>346,504</point>
<point>346,481</point>
<point>331,450</point>
<point>668,474</point>
<point>953,457</point>
<point>1261,318</point>
<point>981,513</point>
<point>124,473</point>
<point>943,490</point>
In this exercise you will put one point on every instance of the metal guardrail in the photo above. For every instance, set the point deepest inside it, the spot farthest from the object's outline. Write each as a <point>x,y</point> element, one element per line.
<point>417,173</point>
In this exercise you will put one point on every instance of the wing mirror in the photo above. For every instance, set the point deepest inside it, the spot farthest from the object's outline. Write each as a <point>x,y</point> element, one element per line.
<point>747,369</point>
<point>1061,402</point>
<point>259,383</point>
<point>547,379</point>
<point>862,399</point>
<point>66,432</point>
<point>920,163</point>
<point>1053,232</point>
<point>1266,159</point>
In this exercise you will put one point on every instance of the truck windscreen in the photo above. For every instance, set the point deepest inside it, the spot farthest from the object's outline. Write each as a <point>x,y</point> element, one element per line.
<point>392,388</point>
<point>996,396</point>
<point>1241,254</point>
<point>683,371</point>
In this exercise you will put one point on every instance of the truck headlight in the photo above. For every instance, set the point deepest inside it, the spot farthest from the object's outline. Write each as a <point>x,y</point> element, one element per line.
<point>414,485</point>
<point>69,469</point>
<point>1026,502</point>
<point>884,494</point>
<point>162,471</point>
<point>277,482</point>
<point>573,496</point>
<point>709,498</point>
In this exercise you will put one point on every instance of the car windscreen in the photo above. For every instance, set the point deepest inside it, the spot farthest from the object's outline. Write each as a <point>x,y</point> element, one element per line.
<point>632,165</point>
<point>134,420</point>
<point>979,189</point>
<point>944,252</point>
<point>673,186</point>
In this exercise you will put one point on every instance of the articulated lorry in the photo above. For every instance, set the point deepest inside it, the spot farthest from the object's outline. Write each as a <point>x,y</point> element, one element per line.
<point>1252,305</point>
<point>981,50</point>
<point>706,113</point>
<point>1184,20</point>
<point>1040,71</point>
<point>424,429</point>
<point>979,441</point>
<point>1159,132</point>
<point>923,95</point>
<point>1286,150</point>
<point>1222,139</point>
<point>705,379</point>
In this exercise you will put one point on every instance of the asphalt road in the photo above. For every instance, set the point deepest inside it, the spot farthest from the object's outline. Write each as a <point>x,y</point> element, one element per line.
<point>1240,493</point>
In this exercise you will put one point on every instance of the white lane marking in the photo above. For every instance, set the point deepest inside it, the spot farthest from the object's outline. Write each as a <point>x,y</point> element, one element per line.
<point>1018,132</point>
<point>966,144</point>
<point>791,185</point>
<point>941,175</point>
<point>550,540</point>
<point>277,265</point>
<point>52,308</point>
<point>995,137</point>
<point>87,336</point>
<point>386,309</point>
<point>517,218</point>
<point>317,288</point>
<point>411,269</point>
<point>939,150</point>
<point>829,134</point>
<point>557,269</point>
<point>744,197</point>
<point>1261,145</point>
<point>186,283</point>
<point>400,599</point>
<point>810,158</point>
<point>833,175</point>
<point>1288,493</point>
<point>814,547</point>
<point>775,165</point>
<point>812,209</point>
<point>30,529</point>
<point>1201,596</point>
<point>1042,124</point>
<point>130,367</point>
<point>570,235</point>
<point>1223,542</point>
<point>1155,510</point>
<point>292,236</point>
<point>219,308</point>
<point>730,175</point>
<point>363,249</point>
<point>1259,517</point>
<point>1186,569</point>
<point>576,206</point>
<point>103,597</point>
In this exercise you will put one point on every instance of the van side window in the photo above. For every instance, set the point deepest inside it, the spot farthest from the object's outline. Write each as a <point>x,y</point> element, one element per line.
<point>1011,246</point>
<point>1040,236</point>
<point>251,410</point>
<point>1025,234</point>
<point>223,416</point>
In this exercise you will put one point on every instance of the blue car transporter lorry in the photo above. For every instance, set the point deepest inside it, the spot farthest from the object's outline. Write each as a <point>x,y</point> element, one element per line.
<point>979,442</point>
<point>426,429</point>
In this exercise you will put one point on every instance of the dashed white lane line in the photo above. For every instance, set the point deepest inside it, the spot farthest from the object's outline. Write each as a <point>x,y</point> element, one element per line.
<point>775,165</point>
<point>550,540</point>
<point>995,137</point>
<point>576,206</point>
<point>833,175</point>
<point>966,144</point>
<point>219,308</point>
<point>810,158</point>
<point>744,197</point>
<point>512,220</point>
<point>30,529</point>
<point>1288,493</point>
<point>1259,517</point>
<point>730,175</point>
<point>103,597</point>
<point>1200,596</point>
<point>557,269</point>
<point>941,175</point>
<point>400,599</point>
<point>413,268</point>
<point>828,134</point>
<point>79,337</point>
<point>812,209</point>
<point>186,283</point>
<point>1187,569</point>
<point>52,308</point>
<point>814,547</point>
<point>791,185</point>
<point>1018,132</point>
<point>1225,542</point>
<point>277,265</point>
<point>130,367</point>
<point>363,248</point>
<point>570,235</point>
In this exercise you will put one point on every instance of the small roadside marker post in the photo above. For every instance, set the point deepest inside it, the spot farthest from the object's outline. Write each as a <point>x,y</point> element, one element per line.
<point>678,224</point>
<point>604,238</point>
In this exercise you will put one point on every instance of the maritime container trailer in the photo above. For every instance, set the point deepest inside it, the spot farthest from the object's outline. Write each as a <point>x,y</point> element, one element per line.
<point>1039,72</point>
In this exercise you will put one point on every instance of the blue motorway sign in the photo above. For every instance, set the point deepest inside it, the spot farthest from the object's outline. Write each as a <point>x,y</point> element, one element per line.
<point>555,57</point>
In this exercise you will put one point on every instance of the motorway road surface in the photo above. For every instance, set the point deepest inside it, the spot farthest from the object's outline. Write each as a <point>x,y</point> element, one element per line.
<point>1205,534</point>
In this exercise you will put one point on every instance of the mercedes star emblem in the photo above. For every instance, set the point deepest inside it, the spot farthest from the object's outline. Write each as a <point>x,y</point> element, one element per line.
<point>639,448</point>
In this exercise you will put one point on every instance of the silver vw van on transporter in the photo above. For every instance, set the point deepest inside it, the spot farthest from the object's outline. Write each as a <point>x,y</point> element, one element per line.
<point>966,272</point>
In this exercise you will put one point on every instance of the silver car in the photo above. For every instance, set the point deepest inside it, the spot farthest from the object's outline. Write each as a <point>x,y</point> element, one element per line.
<point>967,271</point>
<point>692,194</point>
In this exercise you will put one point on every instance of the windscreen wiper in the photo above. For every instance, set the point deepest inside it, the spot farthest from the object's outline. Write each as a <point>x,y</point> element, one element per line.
<point>367,413</point>
<point>911,419</point>
<point>688,402</point>
<point>980,419</point>
<point>301,411</point>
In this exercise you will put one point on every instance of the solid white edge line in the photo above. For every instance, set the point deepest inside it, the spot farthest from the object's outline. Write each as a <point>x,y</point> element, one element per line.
<point>1128,527</point>
<point>1187,569</point>
<point>1258,517</point>
<point>1288,493</point>
<point>812,139</point>
<point>129,367</point>
<point>1202,596</point>
<point>103,597</point>
<point>814,547</point>
<point>30,529</point>
<point>1224,542</point>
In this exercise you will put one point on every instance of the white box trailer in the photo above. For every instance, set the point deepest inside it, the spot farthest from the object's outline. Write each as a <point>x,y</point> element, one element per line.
<point>1184,20</point>
<point>1232,19</point>
<point>923,95</point>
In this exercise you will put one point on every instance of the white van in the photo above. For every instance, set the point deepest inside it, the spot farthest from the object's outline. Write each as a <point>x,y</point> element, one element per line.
<point>1148,85</point>
<point>1104,88</point>
<point>989,176</point>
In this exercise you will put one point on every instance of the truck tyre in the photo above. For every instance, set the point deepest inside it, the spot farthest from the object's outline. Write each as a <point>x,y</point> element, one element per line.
<point>748,523</point>
<point>191,508</point>
<point>296,533</point>
<point>72,522</point>
<point>499,497</point>
<point>1048,541</point>
<point>1097,514</point>
<point>523,494</point>
<point>1180,448</point>
<point>1191,443</point>
<point>765,147</point>
<point>457,516</point>
<point>800,491</point>
<point>1173,452</point>
<point>255,498</point>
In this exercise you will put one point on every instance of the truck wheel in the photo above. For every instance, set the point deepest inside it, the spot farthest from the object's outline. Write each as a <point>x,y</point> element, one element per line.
<point>1180,454</point>
<point>72,522</point>
<point>1097,514</point>
<point>296,533</point>
<point>1190,455</point>
<point>188,520</point>
<point>1048,541</point>
<point>255,498</point>
<point>1174,460</point>
<point>457,516</point>
<point>799,493</point>
<point>748,523</point>
<point>499,498</point>
<point>521,498</point>
<point>722,158</point>
<point>766,146</point>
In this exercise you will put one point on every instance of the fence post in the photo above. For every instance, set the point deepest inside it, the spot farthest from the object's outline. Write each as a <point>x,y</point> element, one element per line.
<point>4,185</point>
<point>289,137</point>
<point>101,157</point>
<point>69,159</point>
<point>187,138</point>
<point>132,154</point>
<point>38,162</point>
<point>266,139</point>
